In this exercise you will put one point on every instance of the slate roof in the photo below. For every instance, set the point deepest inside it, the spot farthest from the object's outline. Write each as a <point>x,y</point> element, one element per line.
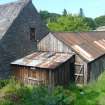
<point>89,45</point>
<point>44,60</point>
<point>8,13</point>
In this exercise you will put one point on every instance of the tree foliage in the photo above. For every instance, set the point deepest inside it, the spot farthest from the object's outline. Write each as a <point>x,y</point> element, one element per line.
<point>90,22</point>
<point>69,23</point>
<point>100,21</point>
<point>81,13</point>
<point>46,16</point>
<point>64,12</point>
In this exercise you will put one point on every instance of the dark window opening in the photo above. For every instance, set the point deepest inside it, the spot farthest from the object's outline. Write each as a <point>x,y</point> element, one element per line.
<point>32,34</point>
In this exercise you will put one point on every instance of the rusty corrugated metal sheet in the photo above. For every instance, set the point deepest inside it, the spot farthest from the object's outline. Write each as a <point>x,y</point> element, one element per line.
<point>47,60</point>
<point>89,45</point>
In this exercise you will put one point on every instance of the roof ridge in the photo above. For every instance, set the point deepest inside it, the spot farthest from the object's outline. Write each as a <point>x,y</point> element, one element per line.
<point>25,1</point>
<point>16,2</point>
<point>77,32</point>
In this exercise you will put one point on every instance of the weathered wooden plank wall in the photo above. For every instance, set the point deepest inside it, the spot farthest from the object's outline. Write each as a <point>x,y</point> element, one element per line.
<point>50,43</point>
<point>29,76</point>
<point>64,74</point>
<point>96,68</point>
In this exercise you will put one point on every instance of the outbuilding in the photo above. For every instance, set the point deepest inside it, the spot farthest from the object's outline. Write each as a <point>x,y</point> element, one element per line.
<point>89,49</point>
<point>45,68</point>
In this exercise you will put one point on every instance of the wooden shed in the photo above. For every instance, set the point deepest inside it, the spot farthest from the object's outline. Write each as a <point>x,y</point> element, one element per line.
<point>89,49</point>
<point>45,68</point>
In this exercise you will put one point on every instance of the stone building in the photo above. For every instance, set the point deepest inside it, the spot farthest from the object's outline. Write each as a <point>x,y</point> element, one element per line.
<point>20,29</point>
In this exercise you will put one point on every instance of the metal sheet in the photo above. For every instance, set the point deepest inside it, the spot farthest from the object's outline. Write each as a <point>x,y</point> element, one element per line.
<point>92,43</point>
<point>49,60</point>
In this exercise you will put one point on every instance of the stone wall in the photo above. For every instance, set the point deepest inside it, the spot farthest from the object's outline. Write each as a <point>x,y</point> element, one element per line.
<point>16,42</point>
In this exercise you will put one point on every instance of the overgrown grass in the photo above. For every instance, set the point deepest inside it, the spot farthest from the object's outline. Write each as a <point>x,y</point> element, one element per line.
<point>14,93</point>
<point>92,94</point>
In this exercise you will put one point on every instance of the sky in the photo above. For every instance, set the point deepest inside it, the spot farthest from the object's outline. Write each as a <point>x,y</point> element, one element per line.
<point>91,8</point>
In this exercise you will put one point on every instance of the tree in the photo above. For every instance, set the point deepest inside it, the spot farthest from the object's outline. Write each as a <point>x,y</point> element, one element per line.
<point>90,22</point>
<point>64,12</point>
<point>46,16</point>
<point>100,21</point>
<point>69,23</point>
<point>81,13</point>
<point>53,17</point>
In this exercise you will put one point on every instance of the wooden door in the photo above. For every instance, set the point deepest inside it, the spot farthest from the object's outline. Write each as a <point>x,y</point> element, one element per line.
<point>79,73</point>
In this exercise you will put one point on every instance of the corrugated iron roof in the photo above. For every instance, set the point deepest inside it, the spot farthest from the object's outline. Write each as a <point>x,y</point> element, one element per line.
<point>89,45</point>
<point>47,60</point>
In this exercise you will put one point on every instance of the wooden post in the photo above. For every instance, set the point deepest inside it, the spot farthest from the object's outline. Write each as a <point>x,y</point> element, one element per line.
<point>85,73</point>
<point>50,81</point>
<point>53,80</point>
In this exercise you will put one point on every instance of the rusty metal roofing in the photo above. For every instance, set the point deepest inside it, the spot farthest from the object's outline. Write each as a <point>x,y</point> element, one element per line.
<point>89,45</point>
<point>47,60</point>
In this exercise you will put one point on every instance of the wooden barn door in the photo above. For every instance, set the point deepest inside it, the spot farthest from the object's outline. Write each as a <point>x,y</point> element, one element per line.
<point>79,73</point>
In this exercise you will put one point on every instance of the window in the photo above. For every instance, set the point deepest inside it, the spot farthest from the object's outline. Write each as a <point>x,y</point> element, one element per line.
<point>32,34</point>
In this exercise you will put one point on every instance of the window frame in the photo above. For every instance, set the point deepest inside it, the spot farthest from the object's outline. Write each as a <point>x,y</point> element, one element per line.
<point>32,34</point>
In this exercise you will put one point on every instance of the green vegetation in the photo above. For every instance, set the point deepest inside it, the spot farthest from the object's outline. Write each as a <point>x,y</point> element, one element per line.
<point>81,13</point>
<point>100,21</point>
<point>64,12</point>
<point>14,93</point>
<point>90,22</point>
<point>69,22</point>
<point>46,16</point>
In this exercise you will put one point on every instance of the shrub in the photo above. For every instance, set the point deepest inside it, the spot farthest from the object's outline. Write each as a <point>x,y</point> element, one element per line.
<point>64,96</point>
<point>5,102</point>
<point>3,83</point>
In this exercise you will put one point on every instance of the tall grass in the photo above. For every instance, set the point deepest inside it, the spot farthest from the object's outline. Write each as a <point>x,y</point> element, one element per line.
<point>93,93</point>
<point>16,94</point>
